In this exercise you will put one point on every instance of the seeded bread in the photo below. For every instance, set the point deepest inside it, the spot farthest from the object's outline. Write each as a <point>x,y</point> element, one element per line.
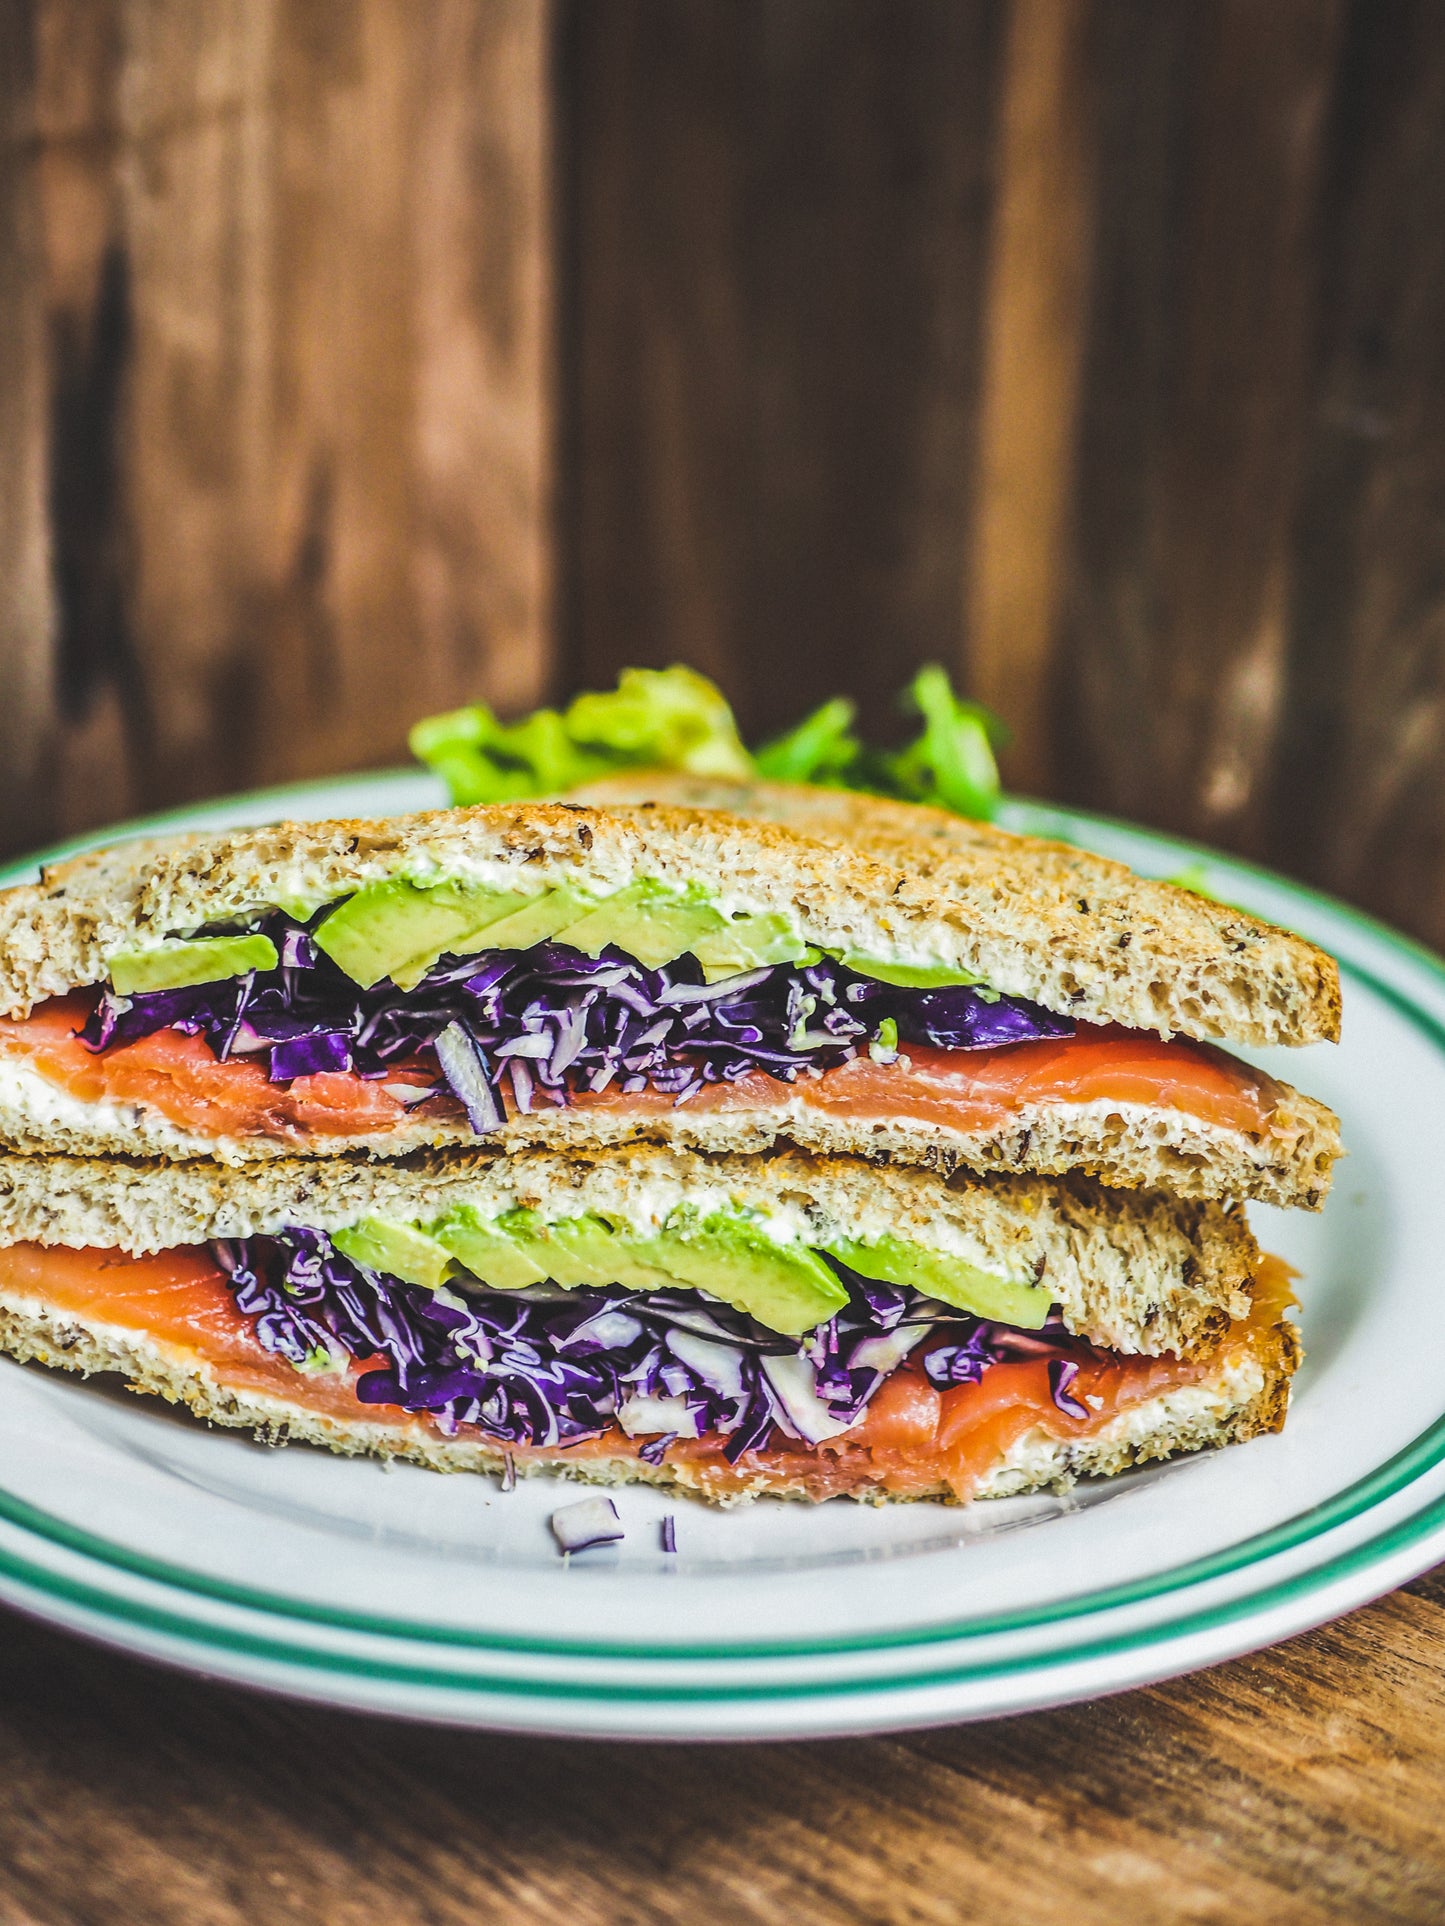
<point>1135,1272</point>
<point>1212,971</point>
<point>1126,1146</point>
<point>1074,932</point>
<point>1246,1394</point>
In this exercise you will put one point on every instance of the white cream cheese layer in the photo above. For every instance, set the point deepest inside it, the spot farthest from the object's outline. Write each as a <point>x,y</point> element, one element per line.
<point>1034,1458</point>
<point>30,1102</point>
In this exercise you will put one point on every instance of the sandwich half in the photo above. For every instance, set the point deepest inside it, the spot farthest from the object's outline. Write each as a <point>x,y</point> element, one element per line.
<point>855,978</point>
<point>801,1326</point>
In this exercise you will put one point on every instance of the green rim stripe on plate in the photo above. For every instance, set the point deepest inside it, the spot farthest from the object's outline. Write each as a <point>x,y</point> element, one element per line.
<point>277,1651</point>
<point>1422,1455</point>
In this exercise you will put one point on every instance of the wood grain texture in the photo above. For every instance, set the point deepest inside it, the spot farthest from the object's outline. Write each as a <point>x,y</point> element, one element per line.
<point>1093,347</point>
<point>1360,793</point>
<point>1252,644</point>
<point>1090,348</point>
<point>1038,271</point>
<point>25,589</point>
<point>1298,1786</point>
<point>1172,654</point>
<point>274,285</point>
<point>774,226</point>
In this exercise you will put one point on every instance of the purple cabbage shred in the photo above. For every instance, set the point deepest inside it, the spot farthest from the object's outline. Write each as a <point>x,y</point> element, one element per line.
<point>1062,1372</point>
<point>552,1367</point>
<point>543,1025</point>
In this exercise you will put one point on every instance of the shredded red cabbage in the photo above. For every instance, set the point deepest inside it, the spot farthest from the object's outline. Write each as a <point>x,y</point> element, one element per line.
<point>549,1022</point>
<point>552,1367</point>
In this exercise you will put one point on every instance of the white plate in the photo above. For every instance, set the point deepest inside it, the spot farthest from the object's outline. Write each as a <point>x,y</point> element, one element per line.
<point>444,1598</point>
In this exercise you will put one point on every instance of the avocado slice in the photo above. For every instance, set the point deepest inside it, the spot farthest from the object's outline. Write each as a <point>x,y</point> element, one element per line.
<point>949,1279</point>
<point>538,922</point>
<point>646,920</point>
<point>518,1249</point>
<point>397,928</point>
<point>401,1250</point>
<point>908,976</point>
<point>489,1249</point>
<point>201,959</point>
<point>748,943</point>
<point>479,909</point>
<point>587,1250</point>
<point>788,1287</point>
<point>785,1286</point>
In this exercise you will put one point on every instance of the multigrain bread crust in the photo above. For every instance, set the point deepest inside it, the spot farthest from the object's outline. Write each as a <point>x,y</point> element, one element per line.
<point>1133,1272</point>
<point>1073,931</point>
<point>1246,1395</point>
<point>1099,911</point>
<point>1130,1146</point>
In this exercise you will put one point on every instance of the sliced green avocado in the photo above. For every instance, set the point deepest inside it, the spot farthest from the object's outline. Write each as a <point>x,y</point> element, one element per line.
<point>646,920</point>
<point>401,1250</point>
<point>908,976</point>
<point>788,1287</point>
<point>586,1250</point>
<point>949,1279</point>
<point>491,1250</point>
<point>518,1249</point>
<point>790,1290</point>
<point>478,910</point>
<point>202,959</point>
<point>749,942</point>
<point>398,929</point>
<point>538,922</point>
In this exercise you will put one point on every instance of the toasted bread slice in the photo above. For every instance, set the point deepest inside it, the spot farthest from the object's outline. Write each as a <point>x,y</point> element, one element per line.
<point>1102,920</point>
<point>1134,1272</point>
<point>1076,933</point>
<point>1125,1146</point>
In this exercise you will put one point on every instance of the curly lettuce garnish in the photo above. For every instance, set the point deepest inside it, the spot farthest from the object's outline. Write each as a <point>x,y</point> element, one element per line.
<point>950,764</point>
<point>677,719</point>
<point>654,719</point>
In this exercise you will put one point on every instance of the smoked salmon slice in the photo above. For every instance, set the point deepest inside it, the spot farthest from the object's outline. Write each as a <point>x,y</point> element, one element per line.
<point>964,1090</point>
<point>180,1077</point>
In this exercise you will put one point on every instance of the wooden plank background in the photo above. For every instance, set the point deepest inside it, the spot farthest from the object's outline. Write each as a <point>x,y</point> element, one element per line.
<point>274,388</point>
<point>360,359</point>
<point>1089,346</point>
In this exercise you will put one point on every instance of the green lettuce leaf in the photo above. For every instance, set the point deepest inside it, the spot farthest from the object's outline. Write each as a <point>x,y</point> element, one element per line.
<point>950,764</point>
<point>676,719</point>
<point>654,719</point>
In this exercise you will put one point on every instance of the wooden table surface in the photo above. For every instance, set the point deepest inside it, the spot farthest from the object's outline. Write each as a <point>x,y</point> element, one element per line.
<point>1307,1783</point>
